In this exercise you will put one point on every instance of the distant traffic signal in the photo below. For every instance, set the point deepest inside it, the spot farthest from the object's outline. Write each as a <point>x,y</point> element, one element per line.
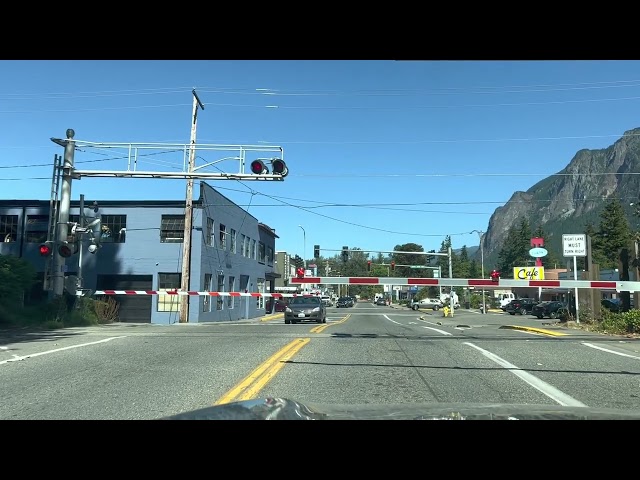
<point>279,167</point>
<point>345,254</point>
<point>66,249</point>
<point>258,167</point>
<point>316,251</point>
<point>46,249</point>
<point>368,265</point>
<point>393,266</point>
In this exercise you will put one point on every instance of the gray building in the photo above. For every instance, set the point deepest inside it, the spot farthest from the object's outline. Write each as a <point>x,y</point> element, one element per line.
<point>142,250</point>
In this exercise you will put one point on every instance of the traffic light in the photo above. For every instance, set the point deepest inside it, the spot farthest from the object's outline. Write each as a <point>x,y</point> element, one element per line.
<point>66,249</point>
<point>393,266</point>
<point>316,251</point>
<point>258,167</point>
<point>300,272</point>
<point>368,265</point>
<point>495,276</point>
<point>279,167</point>
<point>345,254</point>
<point>46,249</point>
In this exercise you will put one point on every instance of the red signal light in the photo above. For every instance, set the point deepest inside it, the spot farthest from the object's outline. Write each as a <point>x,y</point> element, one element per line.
<point>300,272</point>
<point>258,167</point>
<point>369,266</point>
<point>495,276</point>
<point>45,250</point>
<point>393,266</point>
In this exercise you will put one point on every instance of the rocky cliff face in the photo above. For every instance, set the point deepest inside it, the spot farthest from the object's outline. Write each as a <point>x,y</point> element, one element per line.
<point>567,202</point>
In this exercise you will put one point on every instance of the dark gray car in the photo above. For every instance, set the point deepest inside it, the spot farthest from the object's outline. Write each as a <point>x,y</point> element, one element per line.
<point>305,308</point>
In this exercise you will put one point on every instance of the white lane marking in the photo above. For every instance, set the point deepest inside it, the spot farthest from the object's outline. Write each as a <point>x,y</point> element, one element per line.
<point>610,351</point>
<point>17,358</point>
<point>438,330</point>
<point>397,323</point>
<point>549,390</point>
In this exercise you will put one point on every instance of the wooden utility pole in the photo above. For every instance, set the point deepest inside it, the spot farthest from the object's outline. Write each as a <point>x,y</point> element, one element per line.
<point>188,215</point>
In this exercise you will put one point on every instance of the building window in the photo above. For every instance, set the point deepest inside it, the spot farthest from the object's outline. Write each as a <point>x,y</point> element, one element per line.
<point>254,250</point>
<point>247,252</point>
<point>113,229</point>
<point>269,256</point>
<point>233,241</point>
<point>243,239</point>
<point>37,228</point>
<point>220,302</point>
<point>9,228</point>
<point>261,252</point>
<point>172,229</point>
<point>169,282</point>
<point>230,299</point>
<point>210,234</point>
<point>223,237</point>
<point>261,289</point>
<point>206,301</point>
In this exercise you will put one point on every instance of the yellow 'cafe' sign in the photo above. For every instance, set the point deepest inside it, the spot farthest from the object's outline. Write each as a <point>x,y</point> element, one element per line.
<point>528,273</point>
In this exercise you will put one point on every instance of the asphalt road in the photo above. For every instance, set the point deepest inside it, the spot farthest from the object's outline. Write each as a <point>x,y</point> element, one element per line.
<point>365,354</point>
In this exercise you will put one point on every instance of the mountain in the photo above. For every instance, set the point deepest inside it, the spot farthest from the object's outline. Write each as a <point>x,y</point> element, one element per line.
<point>565,204</point>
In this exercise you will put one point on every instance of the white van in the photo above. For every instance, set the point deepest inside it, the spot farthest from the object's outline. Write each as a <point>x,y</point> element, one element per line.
<point>505,299</point>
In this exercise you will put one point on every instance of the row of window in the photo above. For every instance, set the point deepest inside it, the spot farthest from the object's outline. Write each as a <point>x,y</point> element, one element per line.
<point>171,281</point>
<point>36,228</point>
<point>114,231</point>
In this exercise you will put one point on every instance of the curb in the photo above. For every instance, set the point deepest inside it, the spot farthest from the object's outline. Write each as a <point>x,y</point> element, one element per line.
<point>275,316</point>
<point>551,333</point>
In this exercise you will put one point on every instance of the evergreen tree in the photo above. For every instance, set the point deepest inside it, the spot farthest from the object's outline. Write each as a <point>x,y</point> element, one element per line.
<point>613,234</point>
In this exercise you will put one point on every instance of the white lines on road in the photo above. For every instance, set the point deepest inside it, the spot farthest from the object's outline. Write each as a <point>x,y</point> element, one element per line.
<point>549,390</point>
<point>439,331</point>
<point>610,351</point>
<point>17,358</point>
<point>385,316</point>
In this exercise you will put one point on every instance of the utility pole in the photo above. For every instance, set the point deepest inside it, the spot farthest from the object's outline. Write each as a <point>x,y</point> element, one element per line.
<point>80,240</point>
<point>188,214</point>
<point>481,235</point>
<point>62,222</point>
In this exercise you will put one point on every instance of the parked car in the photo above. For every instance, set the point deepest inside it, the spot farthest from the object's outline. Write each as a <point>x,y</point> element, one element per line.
<point>548,309</point>
<point>381,301</point>
<point>305,308</point>
<point>427,303</point>
<point>521,306</point>
<point>280,305</point>
<point>612,304</point>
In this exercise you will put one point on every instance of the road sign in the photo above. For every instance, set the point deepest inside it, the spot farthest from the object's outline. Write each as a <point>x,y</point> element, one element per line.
<point>538,252</point>
<point>417,266</point>
<point>574,245</point>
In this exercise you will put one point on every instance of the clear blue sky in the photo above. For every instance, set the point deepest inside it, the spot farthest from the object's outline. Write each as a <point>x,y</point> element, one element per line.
<point>416,150</point>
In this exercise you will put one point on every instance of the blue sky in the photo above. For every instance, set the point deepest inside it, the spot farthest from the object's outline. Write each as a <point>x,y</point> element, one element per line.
<point>409,151</point>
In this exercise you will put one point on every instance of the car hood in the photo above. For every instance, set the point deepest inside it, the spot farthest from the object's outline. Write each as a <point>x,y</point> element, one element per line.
<point>271,408</point>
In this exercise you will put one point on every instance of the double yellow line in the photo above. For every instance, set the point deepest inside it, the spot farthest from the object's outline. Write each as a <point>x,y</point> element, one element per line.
<point>251,385</point>
<point>324,326</point>
<point>256,380</point>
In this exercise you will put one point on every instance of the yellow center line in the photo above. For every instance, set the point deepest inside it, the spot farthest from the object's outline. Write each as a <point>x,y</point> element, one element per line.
<point>263,373</point>
<point>320,328</point>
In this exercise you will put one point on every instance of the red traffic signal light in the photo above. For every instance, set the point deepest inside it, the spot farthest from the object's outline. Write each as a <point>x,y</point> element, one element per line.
<point>300,272</point>
<point>45,249</point>
<point>279,167</point>
<point>495,276</point>
<point>258,167</point>
<point>369,266</point>
<point>393,266</point>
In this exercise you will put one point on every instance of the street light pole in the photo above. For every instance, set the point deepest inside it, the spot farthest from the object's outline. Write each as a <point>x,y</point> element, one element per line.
<point>481,235</point>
